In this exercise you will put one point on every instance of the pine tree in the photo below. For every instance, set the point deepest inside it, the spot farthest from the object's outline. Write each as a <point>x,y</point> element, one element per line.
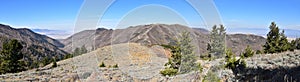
<point>283,42</point>
<point>273,37</point>
<point>292,45</point>
<point>187,52</point>
<point>183,58</point>
<point>77,51</point>
<point>217,41</point>
<point>54,64</point>
<point>276,42</point>
<point>11,57</point>
<point>297,43</point>
<point>102,65</point>
<point>83,50</point>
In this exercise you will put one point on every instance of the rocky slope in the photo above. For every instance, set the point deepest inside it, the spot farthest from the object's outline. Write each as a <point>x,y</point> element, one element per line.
<point>143,63</point>
<point>155,34</point>
<point>136,63</point>
<point>36,46</point>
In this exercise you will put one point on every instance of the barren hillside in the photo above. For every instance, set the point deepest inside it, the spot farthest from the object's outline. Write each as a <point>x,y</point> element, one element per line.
<point>36,46</point>
<point>156,34</point>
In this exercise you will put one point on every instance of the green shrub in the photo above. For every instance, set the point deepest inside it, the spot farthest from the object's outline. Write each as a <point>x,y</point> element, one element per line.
<point>102,65</point>
<point>243,63</point>
<point>295,44</point>
<point>200,68</point>
<point>169,72</point>
<point>116,66</point>
<point>54,63</point>
<point>248,52</point>
<point>68,56</point>
<point>206,56</point>
<point>258,52</point>
<point>211,77</point>
<point>232,62</point>
<point>45,61</point>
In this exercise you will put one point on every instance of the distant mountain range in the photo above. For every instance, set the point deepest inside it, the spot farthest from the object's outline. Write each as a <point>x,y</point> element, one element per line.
<point>36,46</point>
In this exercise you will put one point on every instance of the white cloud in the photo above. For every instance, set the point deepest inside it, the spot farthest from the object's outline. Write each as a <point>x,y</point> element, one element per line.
<point>51,32</point>
<point>57,34</point>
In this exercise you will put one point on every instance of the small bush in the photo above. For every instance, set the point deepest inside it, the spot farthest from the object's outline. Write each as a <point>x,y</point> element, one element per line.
<point>200,68</point>
<point>169,72</point>
<point>259,52</point>
<point>68,56</point>
<point>54,63</point>
<point>248,52</point>
<point>116,66</point>
<point>211,77</point>
<point>243,63</point>
<point>102,65</point>
<point>206,56</point>
<point>232,62</point>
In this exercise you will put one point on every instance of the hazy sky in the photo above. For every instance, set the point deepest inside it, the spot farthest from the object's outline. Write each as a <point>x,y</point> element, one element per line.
<point>62,14</point>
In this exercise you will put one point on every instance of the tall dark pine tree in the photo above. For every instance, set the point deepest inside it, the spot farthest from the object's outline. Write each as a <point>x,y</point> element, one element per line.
<point>276,42</point>
<point>273,37</point>
<point>10,57</point>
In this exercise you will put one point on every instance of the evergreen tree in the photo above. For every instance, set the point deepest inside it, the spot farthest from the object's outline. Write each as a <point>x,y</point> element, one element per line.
<point>276,42</point>
<point>77,52</point>
<point>183,58</point>
<point>11,57</point>
<point>102,65</point>
<point>292,45</point>
<point>284,45</point>
<point>248,52</point>
<point>46,60</point>
<point>273,38</point>
<point>54,64</point>
<point>116,66</point>
<point>297,43</point>
<point>217,41</point>
<point>187,52</point>
<point>83,50</point>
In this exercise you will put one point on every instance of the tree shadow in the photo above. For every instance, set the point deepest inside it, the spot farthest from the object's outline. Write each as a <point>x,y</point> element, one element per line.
<point>281,74</point>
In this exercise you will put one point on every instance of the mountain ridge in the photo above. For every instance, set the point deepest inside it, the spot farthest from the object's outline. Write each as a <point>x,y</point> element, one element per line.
<point>36,46</point>
<point>155,34</point>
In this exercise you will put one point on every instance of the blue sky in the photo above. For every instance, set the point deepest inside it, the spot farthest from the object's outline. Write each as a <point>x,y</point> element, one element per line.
<point>62,14</point>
